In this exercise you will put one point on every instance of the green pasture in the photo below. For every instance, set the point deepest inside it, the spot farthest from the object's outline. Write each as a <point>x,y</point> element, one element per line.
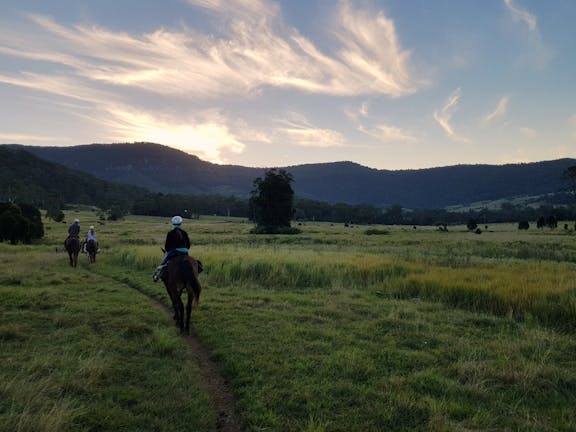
<point>335,329</point>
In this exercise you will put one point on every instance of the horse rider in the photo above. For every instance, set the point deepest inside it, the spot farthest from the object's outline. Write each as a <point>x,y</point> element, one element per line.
<point>177,243</point>
<point>74,229</point>
<point>90,235</point>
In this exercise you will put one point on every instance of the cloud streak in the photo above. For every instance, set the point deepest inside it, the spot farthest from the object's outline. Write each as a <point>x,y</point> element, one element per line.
<point>520,14</point>
<point>384,133</point>
<point>499,112</point>
<point>251,54</point>
<point>297,130</point>
<point>443,116</point>
<point>37,139</point>
<point>388,134</point>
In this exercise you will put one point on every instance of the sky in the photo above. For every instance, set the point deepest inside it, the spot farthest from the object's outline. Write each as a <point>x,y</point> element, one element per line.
<point>389,84</point>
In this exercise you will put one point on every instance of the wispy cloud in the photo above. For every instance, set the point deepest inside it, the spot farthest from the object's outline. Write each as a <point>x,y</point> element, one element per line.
<point>443,116</point>
<point>252,53</point>
<point>11,138</point>
<point>498,113</point>
<point>62,86</point>
<point>385,133</point>
<point>372,51</point>
<point>388,133</point>
<point>537,54</point>
<point>522,15</point>
<point>297,130</point>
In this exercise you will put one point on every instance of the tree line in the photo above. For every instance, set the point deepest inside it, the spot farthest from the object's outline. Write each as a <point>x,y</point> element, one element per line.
<point>25,178</point>
<point>310,210</point>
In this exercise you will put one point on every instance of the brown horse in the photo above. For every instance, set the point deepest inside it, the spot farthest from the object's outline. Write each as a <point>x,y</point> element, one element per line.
<point>91,249</point>
<point>182,274</point>
<point>72,245</point>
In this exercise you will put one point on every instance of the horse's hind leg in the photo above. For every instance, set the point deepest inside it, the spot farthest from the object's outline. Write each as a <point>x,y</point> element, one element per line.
<point>180,306</point>
<point>189,295</point>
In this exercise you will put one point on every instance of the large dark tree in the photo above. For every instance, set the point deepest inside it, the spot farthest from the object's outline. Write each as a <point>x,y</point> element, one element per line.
<point>272,201</point>
<point>21,222</point>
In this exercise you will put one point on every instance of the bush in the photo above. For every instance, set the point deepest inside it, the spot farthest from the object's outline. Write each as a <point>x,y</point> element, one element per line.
<point>266,229</point>
<point>374,231</point>
<point>523,225</point>
<point>471,225</point>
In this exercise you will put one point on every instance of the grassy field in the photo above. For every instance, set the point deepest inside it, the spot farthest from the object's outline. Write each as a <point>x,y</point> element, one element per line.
<point>334,329</point>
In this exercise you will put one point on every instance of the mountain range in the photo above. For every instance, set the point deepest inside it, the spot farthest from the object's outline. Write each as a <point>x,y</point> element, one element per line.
<point>27,178</point>
<point>164,169</point>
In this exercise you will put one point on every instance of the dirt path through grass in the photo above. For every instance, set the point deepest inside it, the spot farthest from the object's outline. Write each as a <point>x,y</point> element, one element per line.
<point>227,419</point>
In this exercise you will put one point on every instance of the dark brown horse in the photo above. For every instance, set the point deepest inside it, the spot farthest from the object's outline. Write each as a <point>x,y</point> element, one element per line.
<point>182,274</point>
<point>72,246</point>
<point>91,249</point>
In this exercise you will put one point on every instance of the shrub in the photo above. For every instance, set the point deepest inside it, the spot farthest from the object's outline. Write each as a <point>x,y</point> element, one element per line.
<point>374,231</point>
<point>523,225</point>
<point>472,225</point>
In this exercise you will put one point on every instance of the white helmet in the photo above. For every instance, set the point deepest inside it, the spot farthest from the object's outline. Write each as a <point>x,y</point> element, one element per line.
<point>91,227</point>
<point>76,220</point>
<point>176,220</point>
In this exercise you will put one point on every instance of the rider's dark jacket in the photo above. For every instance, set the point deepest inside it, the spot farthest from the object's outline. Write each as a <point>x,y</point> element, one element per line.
<point>176,238</point>
<point>74,230</point>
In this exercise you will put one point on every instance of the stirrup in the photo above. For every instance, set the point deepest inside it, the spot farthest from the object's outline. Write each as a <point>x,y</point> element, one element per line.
<point>158,272</point>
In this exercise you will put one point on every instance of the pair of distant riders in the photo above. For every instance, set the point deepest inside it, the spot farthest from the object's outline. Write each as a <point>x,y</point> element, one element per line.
<point>74,231</point>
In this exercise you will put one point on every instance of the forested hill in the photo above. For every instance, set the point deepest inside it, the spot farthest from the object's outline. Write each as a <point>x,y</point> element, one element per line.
<point>164,169</point>
<point>152,166</point>
<point>27,178</point>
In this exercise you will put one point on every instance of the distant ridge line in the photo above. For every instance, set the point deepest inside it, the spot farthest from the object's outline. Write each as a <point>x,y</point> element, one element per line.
<point>168,170</point>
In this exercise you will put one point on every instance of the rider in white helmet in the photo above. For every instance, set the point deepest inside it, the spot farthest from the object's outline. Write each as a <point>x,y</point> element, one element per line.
<point>90,235</point>
<point>177,243</point>
<point>74,229</point>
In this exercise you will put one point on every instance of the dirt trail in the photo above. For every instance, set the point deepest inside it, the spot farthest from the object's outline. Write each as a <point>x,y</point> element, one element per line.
<point>227,419</point>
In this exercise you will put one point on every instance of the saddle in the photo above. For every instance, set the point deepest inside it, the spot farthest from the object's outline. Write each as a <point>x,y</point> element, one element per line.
<point>71,236</point>
<point>160,271</point>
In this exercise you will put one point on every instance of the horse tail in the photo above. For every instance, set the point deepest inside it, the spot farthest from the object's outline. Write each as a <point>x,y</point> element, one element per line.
<point>191,275</point>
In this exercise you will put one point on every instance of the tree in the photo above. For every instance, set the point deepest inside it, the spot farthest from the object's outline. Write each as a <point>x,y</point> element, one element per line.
<point>523,225</point>
<point>472,225</point>
<point>34,217</point>
<point>272,202</point>
<point>20,223</point>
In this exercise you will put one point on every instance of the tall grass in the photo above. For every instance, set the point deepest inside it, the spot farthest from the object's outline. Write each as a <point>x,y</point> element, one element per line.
<point>521,288</point>
<point>328,331</point>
